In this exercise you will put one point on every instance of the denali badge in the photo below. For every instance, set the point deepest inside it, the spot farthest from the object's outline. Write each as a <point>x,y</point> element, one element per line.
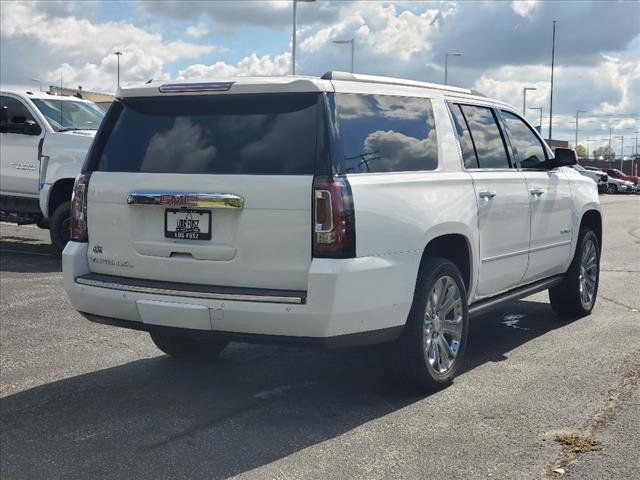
<point>111,262</point>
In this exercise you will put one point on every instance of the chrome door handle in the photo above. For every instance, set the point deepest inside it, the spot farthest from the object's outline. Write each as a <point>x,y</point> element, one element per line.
<point>536,192</point>
<point>486,194</point>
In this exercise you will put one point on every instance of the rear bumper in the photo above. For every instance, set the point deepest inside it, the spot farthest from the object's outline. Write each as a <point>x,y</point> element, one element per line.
<point>348,301</point>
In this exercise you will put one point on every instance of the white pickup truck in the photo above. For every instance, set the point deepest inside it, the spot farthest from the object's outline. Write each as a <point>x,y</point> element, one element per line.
<point>43,141</point>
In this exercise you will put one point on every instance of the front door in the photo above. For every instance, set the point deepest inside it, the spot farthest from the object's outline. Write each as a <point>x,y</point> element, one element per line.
<point>19,151</point>
<point>549,199</point>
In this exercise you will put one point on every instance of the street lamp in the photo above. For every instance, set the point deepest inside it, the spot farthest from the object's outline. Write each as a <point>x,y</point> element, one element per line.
<point>524,98</point>
<point>38,81</point>
<point>118,54</point>
<point>578,112</point>
<point>293,37</point>
<point>540,126</point>
<point>446,63</point>
<point>345,42</point>
<point>553,61</point>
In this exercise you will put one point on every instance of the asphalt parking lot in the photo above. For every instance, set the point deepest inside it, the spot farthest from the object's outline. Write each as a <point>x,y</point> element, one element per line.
<point>80,400</point>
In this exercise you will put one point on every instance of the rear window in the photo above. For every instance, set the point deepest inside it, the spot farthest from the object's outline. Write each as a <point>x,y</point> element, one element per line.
<point>385,133</point>
<point>230,134</point>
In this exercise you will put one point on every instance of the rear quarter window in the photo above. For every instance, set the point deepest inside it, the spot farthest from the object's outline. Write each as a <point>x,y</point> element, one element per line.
<point>384,133</point>
<point>226,134</point>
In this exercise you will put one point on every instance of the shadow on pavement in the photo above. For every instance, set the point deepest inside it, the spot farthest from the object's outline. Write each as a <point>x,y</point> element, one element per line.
<point>158,418</point>
<point>25,255</point>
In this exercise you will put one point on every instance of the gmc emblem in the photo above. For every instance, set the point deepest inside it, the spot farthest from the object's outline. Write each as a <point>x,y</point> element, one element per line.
<point>178,200</point>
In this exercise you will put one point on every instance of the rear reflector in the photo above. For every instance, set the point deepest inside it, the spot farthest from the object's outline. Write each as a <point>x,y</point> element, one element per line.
<point>79,231</point>
<point>195,87</point>
<point>334,232</point>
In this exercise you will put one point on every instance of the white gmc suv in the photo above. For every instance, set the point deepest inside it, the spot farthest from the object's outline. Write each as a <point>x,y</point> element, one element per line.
<point>341,210</point>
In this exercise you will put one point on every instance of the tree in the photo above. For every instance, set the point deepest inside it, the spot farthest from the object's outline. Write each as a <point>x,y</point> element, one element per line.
<point>581,151</point>
<point>605,152</point>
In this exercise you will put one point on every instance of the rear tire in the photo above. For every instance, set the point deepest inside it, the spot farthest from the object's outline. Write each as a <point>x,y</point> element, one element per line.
<point>611,188</point>
<point>186,348</point>
<point>431,348</point>
<point>60,225</point>
<point>576,295</point>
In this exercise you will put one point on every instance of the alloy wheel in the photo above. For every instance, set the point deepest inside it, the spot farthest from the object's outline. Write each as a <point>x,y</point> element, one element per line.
<point>442,326</point>
<point>588,273</point>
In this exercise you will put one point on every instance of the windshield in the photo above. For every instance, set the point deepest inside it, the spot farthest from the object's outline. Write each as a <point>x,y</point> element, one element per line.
<point>65,115</point>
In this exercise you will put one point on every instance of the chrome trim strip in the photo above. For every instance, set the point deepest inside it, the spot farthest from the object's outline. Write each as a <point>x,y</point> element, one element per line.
<point>552,245</point>
<point>522,252</point>
<point>186,199</point>
<point>189,294</point>
<point>505,255</point>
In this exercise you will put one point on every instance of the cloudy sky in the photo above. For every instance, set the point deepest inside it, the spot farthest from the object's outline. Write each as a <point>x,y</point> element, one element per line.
<point>506,46</point>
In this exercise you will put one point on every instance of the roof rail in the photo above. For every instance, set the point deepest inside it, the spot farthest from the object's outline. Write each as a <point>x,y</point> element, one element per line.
<point>356,77</point>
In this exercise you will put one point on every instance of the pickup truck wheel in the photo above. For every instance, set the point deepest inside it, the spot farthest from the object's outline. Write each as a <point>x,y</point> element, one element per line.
<point>576,295</point>
<point>60,226</point>
<point>432,345</point>
<point>187,348</point>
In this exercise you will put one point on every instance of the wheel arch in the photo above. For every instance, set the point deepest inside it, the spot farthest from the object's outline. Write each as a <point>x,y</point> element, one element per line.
<point>60,192</point>
<point>592,218</point>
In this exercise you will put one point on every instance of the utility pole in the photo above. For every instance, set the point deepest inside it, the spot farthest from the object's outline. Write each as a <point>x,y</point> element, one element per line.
<point>553,59</point>
<point>344,42</point>
<point>524,98</point>
<point>578,112</point>
<point>293,36</point>
<point>118,54</point>
<point>621,152</point>
<point>446,63</point>
<point>540,125</point>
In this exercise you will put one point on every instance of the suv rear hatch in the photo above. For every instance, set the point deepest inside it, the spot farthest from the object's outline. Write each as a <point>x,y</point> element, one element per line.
<point>209,189</point>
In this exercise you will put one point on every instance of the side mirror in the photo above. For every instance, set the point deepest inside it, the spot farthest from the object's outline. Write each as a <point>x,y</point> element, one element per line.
<point>563,157</point>
<point>31,128</point>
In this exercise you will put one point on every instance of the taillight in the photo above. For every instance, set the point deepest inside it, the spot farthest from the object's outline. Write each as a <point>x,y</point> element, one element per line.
<point>334,226</point>
<point>79,232</point>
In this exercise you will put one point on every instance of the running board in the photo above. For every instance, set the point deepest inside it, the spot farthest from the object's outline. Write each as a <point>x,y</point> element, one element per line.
<point>483,306</point>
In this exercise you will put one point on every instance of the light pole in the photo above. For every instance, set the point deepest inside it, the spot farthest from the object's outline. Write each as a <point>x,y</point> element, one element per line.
<point>446,63</point>
<point>345,42</point>
<point>621,137</point>
<point>293,36</point>
<point>38,81</point>
<point>538,108</point>
<point>578,112</point>
<point>524,98</point>
<point>553,59</point>
<point>118,54</point>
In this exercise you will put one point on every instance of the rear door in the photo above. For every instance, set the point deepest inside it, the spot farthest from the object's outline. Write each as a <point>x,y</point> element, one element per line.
<point>208,189</point>
<point>502,199</point>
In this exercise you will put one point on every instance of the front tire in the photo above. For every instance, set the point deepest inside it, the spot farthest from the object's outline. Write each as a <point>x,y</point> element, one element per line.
<point>432,346</point>
<point>60,225</point>
<point>186,348</point>
<point>576,295</point>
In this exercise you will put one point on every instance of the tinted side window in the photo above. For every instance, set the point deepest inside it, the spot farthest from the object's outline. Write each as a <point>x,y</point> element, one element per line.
<point>227,134</point>
<point>486,137</point>
<point>383,133</point>
<point>13,111</point>
<point>466,142</point>
<point>527,146</point>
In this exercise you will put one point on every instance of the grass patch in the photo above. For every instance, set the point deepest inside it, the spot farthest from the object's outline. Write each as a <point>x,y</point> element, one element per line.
<point>578,443</point>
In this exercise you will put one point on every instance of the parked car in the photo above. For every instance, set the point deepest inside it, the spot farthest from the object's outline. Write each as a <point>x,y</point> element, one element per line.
<point>43,141</point>
<point>599,177</point>
<point>616,185</point>
<point>615,173</point>
<point>342,210</point>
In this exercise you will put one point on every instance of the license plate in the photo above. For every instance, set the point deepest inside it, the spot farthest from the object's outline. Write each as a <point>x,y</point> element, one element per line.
<point>187,224</point>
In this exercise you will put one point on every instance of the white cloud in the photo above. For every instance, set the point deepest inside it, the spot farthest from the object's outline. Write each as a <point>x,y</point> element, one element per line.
<point>524,7</point>
<point>251,65</point>
<point>85,49</point>
<point>197,31</point>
